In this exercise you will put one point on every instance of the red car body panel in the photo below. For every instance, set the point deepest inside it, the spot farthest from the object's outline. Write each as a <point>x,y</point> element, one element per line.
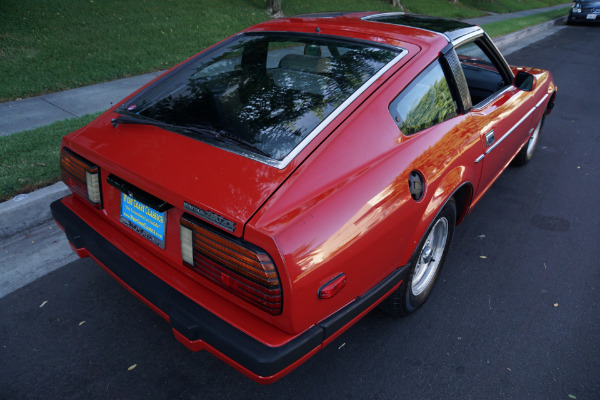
<point>341,206</point>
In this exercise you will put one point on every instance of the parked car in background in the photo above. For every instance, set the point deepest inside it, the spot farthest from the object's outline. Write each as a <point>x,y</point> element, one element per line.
<point>267,193</point>
<point>584,11</point>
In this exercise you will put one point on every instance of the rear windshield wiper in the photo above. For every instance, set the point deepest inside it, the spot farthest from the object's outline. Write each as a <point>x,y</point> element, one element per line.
<point>203,130</point>
<point>134,120</point>
<point>220,134</point>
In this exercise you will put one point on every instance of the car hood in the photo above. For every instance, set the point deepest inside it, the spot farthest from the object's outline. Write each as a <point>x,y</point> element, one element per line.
<point>179,169</point>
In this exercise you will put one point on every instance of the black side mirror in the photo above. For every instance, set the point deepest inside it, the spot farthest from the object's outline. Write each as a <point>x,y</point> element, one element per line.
<point>524,81</point>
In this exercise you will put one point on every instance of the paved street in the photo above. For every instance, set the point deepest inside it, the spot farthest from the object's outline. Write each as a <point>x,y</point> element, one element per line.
<point>514,316</point>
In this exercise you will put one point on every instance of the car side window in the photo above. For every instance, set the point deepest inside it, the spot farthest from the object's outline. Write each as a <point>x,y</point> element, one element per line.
<point>483,77</point>
<point>425,102</point>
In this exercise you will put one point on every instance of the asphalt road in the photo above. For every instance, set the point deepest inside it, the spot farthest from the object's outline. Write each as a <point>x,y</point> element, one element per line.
<point>515,315</point>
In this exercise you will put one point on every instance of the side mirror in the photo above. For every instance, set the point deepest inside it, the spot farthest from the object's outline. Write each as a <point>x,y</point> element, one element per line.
<point>524,81</point>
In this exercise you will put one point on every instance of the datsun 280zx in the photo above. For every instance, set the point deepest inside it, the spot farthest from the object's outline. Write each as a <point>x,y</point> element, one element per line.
<point>267,193</point>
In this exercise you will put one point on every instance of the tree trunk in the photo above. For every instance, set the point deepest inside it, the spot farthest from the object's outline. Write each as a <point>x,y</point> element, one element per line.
<point>274,8</point>
<point>396,3</point>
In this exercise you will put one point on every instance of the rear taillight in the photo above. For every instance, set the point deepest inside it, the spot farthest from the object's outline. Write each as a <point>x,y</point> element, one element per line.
<point>231,263</point>
<point>82,176</point>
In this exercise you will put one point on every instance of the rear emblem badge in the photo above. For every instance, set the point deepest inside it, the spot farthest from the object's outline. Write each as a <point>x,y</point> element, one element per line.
<point>210,217</point>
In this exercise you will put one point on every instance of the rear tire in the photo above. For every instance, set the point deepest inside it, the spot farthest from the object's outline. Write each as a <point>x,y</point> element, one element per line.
<point>425,265</point>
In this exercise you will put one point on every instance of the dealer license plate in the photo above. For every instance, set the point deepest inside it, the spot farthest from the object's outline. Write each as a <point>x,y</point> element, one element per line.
<point>145,220</point>
<point>591,16</point>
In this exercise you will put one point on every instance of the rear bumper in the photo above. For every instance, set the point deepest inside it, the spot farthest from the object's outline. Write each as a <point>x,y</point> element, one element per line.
<point>198,328</point>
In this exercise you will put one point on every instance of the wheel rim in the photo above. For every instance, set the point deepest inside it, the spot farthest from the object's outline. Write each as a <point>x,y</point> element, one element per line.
<point>430,257</point>
<point>533,140</point>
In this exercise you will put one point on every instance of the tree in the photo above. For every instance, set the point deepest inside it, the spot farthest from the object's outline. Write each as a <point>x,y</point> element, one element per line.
<point>274,8</point>
<point>396,3</point>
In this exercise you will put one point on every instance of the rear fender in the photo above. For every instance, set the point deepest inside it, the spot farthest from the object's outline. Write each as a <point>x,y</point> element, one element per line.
<point>455,181</point>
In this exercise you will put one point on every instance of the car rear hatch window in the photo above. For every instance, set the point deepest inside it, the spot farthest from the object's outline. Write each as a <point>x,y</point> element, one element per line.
<point>260,95</point>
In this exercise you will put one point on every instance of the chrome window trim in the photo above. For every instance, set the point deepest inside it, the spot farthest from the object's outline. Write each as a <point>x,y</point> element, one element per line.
<point>281,164</point>
<point>483,104</point>
<point>511,130</point>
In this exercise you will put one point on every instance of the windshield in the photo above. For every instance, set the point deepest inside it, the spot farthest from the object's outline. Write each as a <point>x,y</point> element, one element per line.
<point>270,90</point>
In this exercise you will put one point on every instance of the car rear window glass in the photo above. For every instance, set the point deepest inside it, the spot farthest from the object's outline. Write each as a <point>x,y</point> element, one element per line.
<point>268,90</point>
<point>425,102</point>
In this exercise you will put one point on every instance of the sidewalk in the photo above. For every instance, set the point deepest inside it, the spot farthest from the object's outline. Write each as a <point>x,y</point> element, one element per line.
<point>31,113</point>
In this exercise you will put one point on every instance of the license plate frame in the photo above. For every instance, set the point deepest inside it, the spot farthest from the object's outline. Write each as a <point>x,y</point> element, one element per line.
<point>143,219</point>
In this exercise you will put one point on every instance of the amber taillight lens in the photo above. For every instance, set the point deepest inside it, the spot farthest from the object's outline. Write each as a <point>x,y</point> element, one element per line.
<point>82,176</point>
<point>231,263</point>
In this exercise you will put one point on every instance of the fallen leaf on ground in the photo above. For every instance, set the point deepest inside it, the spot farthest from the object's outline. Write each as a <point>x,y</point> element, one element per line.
<point>81,323</point>
<point>555,304</point>
<point>43,304</point>
<point>132,367</point>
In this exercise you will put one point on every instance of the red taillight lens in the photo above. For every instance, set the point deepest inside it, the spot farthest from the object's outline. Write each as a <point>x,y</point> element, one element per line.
<point>232,263</point>
<point>82,176</point>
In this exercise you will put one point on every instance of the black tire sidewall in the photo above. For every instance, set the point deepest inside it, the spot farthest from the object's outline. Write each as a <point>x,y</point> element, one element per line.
<point>411,302</point>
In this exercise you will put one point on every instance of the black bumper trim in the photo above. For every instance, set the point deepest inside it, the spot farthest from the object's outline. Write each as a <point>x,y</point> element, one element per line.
<point>195,322</point>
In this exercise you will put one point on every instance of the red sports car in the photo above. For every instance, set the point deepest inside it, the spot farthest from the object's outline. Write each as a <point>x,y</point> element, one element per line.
<point>267,193</point>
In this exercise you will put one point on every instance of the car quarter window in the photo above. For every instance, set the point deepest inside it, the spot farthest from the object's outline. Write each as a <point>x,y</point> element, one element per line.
<point>425,102</point>
<point>483,76</point>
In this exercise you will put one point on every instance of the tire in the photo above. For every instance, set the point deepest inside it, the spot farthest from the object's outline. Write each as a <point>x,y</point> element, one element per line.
<point>526,153</point>
<point>425,265</point>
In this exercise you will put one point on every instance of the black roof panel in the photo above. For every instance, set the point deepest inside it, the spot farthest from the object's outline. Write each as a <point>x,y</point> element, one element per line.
<point>449,27</point>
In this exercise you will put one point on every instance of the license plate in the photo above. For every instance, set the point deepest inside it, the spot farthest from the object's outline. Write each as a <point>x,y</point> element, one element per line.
<point>145,220</point>
<point>591,16</point>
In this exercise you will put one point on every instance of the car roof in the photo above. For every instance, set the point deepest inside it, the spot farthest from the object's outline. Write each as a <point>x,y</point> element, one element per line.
<point>385,28</point>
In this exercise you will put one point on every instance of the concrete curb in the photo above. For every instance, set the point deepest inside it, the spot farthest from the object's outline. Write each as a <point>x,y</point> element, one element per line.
<point>509,39</point>
<point>23,213</point>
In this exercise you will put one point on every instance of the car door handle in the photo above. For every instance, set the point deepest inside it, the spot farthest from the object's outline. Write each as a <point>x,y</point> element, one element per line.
<point>489,138</point>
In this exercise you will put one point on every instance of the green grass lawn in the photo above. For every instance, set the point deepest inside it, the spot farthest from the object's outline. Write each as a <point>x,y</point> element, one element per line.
<point>505,6</point>
<point>52,45</point>
<point>30,159</point>
<point>503,27</point>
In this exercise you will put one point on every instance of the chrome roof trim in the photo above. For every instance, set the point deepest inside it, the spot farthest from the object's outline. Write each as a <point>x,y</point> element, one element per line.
<point>471,35</point>
<point>281,164</point>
